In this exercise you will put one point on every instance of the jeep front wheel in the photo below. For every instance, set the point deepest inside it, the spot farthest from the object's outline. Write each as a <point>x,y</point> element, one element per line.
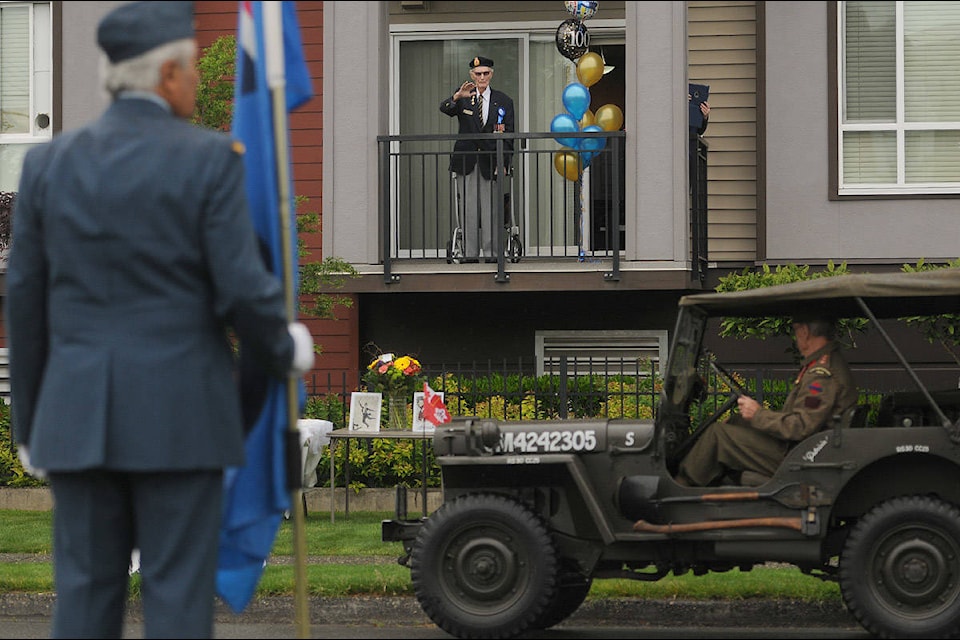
<point>571,593</point>
<point>484,566</point>
<point>900,569</point>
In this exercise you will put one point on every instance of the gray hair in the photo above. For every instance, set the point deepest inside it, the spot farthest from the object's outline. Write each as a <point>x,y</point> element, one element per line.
<point>142,73</point>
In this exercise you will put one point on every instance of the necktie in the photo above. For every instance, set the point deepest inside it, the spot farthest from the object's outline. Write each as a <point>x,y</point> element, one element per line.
<point>483,120</point>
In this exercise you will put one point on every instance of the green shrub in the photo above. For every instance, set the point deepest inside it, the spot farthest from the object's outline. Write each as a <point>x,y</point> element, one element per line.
<point>770,327</point>
<point>11,471</point>
<point>329,407</point>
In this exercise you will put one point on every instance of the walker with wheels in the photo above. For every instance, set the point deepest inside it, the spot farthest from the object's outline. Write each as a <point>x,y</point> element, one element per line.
<point>513,245</point>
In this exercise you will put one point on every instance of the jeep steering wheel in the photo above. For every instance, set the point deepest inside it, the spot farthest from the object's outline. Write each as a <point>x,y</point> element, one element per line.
<point>736,390</point>
<point>735,387</point>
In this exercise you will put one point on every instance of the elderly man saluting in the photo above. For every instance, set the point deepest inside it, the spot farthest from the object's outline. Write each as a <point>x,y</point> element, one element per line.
<point>479,109</point>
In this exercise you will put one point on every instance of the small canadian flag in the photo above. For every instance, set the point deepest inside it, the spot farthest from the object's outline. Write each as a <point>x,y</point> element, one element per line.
<point>434,410</point>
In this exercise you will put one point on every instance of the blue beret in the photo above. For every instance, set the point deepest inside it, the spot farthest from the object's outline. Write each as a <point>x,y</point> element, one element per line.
<point>138,27</point>
<point>480,61</point>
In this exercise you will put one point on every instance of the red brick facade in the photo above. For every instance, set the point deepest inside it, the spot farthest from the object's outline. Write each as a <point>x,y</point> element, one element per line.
<point>338,339</point>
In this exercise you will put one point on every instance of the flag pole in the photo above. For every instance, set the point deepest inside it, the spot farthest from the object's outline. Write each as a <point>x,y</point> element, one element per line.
<point>276,81</point>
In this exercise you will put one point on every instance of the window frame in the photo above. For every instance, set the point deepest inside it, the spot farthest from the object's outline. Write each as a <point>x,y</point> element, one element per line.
<point>525,34</point>
<point>838,189</point>
<point>42,100</point>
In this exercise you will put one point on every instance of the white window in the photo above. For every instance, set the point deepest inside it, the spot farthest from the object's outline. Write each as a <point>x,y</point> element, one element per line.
<point>26,84</point>
<point>899,70</point>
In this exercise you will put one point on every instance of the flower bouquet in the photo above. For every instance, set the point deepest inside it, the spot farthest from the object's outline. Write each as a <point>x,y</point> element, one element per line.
<point>397,379</point>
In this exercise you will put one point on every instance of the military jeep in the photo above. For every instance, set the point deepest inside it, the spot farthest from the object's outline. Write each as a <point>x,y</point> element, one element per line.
<point>534,511</point>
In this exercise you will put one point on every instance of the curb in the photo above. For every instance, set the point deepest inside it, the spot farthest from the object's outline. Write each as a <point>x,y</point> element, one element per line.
<point>405,611</point>
<point>316,499</point>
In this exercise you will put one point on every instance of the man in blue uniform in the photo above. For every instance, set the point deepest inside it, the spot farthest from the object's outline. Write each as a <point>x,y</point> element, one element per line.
<point>480,109</point>
<point>132,255</point>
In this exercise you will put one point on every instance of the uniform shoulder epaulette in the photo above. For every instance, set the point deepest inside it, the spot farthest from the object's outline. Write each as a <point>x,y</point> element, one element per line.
<point>238,147</point>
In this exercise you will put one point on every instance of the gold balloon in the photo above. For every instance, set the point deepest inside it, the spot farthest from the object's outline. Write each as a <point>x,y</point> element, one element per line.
<point>589,69</point>
<point>567,164</point>
<point>609,117</point>
<point>587,119</point>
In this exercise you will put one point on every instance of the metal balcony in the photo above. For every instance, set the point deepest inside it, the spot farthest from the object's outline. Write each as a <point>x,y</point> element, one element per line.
<point>576,216</point>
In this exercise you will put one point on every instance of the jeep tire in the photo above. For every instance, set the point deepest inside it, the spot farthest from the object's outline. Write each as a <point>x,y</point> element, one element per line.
<point>484,566</point>
<point>571,593</point>
<point>900,569</point>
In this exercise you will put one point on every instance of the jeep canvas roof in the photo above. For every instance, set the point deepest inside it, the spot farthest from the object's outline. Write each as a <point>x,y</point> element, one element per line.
<point>887,295</point>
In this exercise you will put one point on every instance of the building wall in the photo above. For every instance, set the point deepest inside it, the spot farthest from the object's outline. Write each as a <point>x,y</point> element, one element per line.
<point>338,339</point>
<point>79,76</point>
<point>354,114</point>
<point>493,12</point>
<point>803,224</point>
<point>722,52</point>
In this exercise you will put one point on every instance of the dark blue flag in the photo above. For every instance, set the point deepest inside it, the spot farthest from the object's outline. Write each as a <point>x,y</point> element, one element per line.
<point>256,495</point>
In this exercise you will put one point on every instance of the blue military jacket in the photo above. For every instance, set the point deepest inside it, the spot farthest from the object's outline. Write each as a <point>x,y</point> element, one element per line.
<point>132,253</point>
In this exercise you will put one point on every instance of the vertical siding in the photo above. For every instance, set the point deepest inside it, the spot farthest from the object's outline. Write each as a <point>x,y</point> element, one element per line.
<point>722,51</point>
<point>339,340</point>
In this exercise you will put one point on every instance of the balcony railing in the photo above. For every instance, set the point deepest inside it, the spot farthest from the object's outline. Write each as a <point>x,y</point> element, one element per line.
<point>578,215</point>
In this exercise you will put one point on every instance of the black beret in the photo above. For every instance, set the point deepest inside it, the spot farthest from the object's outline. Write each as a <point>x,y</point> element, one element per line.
<point>138,27</point>
<point>480,61</point>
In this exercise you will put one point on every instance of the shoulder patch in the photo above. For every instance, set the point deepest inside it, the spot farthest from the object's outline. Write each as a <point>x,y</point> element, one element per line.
<point>238,148</point>
<point>821,371</point>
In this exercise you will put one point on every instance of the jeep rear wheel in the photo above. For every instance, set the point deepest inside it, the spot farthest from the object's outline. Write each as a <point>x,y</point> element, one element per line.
<point>900,569</point>
<point>484,566</point>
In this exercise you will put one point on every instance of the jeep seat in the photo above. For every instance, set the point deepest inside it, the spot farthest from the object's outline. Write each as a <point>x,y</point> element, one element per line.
<point>854,417</point>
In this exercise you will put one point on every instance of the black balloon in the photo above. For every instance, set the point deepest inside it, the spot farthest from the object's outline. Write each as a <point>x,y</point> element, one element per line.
<point>572,39</point>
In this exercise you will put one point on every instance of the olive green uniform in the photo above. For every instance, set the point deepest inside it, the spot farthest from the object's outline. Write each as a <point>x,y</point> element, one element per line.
<point>823,388</point>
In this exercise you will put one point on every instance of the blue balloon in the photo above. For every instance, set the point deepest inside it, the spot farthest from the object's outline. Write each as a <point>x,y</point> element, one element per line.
<point>593,145</point>
<point>565,123</point>
<point>576,98</point>
<point>586,157</point>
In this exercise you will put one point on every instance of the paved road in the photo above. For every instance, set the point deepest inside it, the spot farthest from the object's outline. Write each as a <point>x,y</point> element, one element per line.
<point>27,616</point>
<point>33,630</point>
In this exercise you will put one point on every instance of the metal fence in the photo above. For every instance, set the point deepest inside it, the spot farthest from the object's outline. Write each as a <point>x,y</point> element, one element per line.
<point>511,390</point>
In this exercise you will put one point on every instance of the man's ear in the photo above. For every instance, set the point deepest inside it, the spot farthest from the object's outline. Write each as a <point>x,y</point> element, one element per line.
<point>168,69</point>
<point>168,74</point>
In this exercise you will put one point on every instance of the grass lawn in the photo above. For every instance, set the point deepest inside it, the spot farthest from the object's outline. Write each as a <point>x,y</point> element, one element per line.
<point>28,532</point>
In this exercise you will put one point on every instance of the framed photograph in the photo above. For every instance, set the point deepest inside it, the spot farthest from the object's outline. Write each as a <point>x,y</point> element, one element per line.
<point>365,411</point>
<point>419,424</point>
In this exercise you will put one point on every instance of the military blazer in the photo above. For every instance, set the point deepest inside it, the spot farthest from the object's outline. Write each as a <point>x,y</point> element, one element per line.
<point>465,156</point>
<point>132,254</point>
<point>823,388</point>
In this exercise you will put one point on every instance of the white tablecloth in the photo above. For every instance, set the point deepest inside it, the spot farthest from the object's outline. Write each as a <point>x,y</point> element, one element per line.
<point>313,437</point>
